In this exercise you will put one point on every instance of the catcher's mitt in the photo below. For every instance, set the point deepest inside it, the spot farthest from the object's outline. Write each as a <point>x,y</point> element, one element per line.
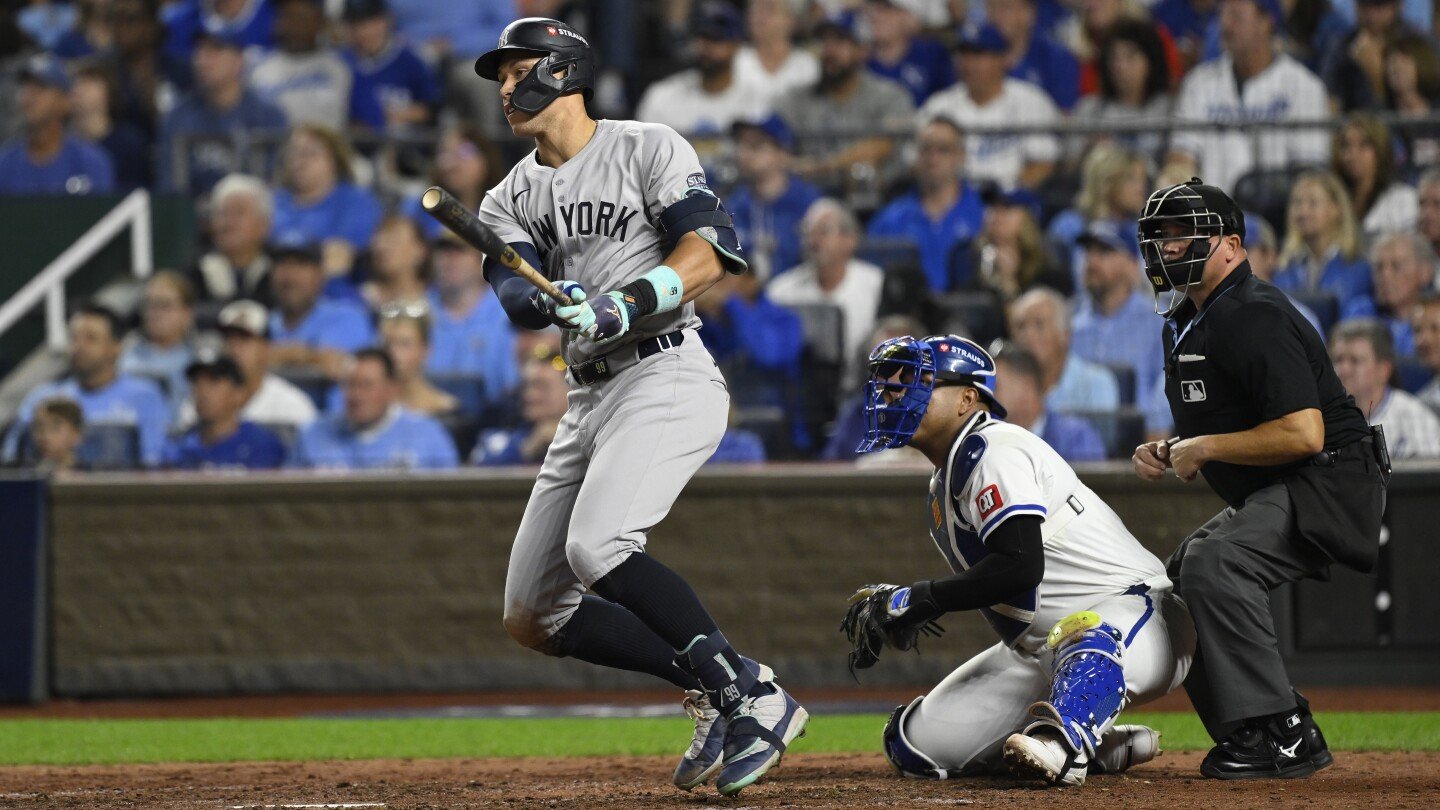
<point>886,616</point>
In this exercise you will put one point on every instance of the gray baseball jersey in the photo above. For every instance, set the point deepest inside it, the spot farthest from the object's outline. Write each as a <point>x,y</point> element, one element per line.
<point>594,219</point>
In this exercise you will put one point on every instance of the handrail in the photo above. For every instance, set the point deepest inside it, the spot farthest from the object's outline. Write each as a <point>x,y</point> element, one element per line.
<point>49,284</point>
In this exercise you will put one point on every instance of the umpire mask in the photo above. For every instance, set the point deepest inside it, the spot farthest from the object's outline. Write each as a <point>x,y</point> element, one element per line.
<point>1190,213</point>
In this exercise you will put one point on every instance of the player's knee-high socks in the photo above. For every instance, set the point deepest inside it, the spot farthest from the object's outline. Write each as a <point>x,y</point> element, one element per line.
<point>668,605</point>
<point>602,632</point>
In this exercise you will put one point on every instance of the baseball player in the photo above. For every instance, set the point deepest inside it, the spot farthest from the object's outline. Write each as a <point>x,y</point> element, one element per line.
<point>619,214</point>
<point>1085,615</point>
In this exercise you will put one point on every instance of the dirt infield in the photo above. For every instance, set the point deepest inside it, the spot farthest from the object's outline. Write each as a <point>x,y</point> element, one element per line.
<point>1369,780</point>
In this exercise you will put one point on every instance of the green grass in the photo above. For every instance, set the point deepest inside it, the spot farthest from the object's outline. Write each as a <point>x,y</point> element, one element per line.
<point>69,742</point>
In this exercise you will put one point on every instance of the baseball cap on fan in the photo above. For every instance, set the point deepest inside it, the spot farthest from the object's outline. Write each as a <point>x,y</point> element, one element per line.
<point>293,244</point>
<point>46,70</point>
<point>1271,9</point>
<point>247,317</point>
<point>1111,234</point>
<point>220,366</point>
<point>357,10</point>
<point>719,21</point>
<point>847,25</point>
<point>981,39</point>
<point>772,126</point>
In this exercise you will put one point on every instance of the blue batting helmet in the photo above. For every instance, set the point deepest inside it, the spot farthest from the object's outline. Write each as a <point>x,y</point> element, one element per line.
<point>910,369</point>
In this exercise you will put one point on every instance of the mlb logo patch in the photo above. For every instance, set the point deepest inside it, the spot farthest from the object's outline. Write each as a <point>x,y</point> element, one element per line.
<point>1192,390</point>
<point>988,501</point>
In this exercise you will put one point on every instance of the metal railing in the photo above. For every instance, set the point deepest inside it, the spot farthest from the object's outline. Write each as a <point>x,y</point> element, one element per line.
<point>48,285</point>
<point>254,152</point>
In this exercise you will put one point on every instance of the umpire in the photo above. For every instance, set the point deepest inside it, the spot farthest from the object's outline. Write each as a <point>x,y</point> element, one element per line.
<point>1261,414</point>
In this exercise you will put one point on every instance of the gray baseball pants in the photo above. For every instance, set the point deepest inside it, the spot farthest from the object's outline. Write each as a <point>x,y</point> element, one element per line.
<point>624,450</point>
<point>1225,572</point>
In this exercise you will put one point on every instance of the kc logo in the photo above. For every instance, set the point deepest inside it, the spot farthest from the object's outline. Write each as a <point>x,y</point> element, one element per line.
<point>988,501</point>
<point>1192,390</point>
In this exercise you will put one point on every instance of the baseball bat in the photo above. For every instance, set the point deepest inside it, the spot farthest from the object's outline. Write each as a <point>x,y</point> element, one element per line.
<point>448,211</point>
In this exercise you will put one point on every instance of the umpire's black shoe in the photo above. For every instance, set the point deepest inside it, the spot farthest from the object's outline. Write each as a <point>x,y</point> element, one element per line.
<point>1274,747</point>
<point>1320,755</point>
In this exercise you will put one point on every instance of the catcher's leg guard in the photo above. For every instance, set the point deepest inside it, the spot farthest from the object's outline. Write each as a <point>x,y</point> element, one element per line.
<point>1087,689</point>
<point>908,760</point>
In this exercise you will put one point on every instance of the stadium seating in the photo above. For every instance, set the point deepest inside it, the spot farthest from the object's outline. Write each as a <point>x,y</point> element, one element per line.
<point>464,429</point>
<point>770,423</point>
<point>1125,379</point>
<point>1413,374</point>
<point>1121,431</point>
<point>976,314</point>
<point>885,252</point>
<point>1267,192</point>
<point>822,364</point>
<point>110,447</point>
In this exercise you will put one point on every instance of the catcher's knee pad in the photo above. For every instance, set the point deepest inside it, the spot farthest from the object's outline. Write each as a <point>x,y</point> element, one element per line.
<point>908,760</point>
<point>1087,688</point>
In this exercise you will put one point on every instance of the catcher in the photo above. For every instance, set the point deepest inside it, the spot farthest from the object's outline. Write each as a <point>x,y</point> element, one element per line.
<point>1086,618</point>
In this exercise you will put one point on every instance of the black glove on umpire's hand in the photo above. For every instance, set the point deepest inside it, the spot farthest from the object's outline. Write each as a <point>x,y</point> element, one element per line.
<point>888,616</point>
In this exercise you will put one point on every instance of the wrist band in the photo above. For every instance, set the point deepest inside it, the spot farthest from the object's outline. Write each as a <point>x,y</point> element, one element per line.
<point>669,290</point>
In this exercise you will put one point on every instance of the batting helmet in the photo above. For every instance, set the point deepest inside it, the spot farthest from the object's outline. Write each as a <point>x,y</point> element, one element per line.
<point>1189,211</point>
<point>909,370</point>
<point>564,53</point>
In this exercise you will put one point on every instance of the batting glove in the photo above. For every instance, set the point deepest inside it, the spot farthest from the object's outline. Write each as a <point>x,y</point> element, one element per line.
<point>604,320</point>
<point>552,309</point>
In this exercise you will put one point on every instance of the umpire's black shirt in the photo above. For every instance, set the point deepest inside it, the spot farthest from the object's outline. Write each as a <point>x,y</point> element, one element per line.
<point>1249,357</point>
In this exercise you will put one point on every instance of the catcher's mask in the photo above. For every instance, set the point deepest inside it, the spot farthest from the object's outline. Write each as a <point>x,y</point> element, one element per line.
<point>1189,212</point>
<point>904,372</point>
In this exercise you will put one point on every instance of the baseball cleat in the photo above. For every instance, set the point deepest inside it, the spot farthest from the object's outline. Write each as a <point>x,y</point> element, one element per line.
<point>758,734</point>
<point>704,756</point>
<point>1043,757</point>
<point>1124,748</point>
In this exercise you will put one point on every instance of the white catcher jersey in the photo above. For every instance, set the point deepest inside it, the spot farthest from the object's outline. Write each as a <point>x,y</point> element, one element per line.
<point>595,219</point>
<point>996,470</point>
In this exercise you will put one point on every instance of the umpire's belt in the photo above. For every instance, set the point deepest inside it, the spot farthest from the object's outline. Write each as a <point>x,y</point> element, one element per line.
<point>608,365</point>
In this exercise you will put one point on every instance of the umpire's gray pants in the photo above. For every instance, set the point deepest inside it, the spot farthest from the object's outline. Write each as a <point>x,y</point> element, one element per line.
<point>1225,572</point>
<point>624,450</point>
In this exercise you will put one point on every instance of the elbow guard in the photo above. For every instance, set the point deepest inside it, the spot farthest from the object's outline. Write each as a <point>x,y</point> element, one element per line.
<point>705,215</point>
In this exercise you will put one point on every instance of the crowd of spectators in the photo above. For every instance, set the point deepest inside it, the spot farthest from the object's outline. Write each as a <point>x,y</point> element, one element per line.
<point>914,165</point>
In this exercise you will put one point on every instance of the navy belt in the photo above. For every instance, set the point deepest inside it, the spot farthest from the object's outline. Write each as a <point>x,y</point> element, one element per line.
<point>608,365</point>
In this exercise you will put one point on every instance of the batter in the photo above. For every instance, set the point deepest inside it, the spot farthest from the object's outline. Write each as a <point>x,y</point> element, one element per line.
<point>619,214</point>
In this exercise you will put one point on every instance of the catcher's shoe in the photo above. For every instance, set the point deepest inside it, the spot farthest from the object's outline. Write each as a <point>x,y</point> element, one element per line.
<point>704,758</point>
<point>758,733</point>
<point>1043,756</point>
<point>1125,747</point>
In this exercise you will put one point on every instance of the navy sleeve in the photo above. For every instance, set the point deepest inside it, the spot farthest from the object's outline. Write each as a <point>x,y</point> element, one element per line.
<point>1015,564</point>
<point>515,293</point>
